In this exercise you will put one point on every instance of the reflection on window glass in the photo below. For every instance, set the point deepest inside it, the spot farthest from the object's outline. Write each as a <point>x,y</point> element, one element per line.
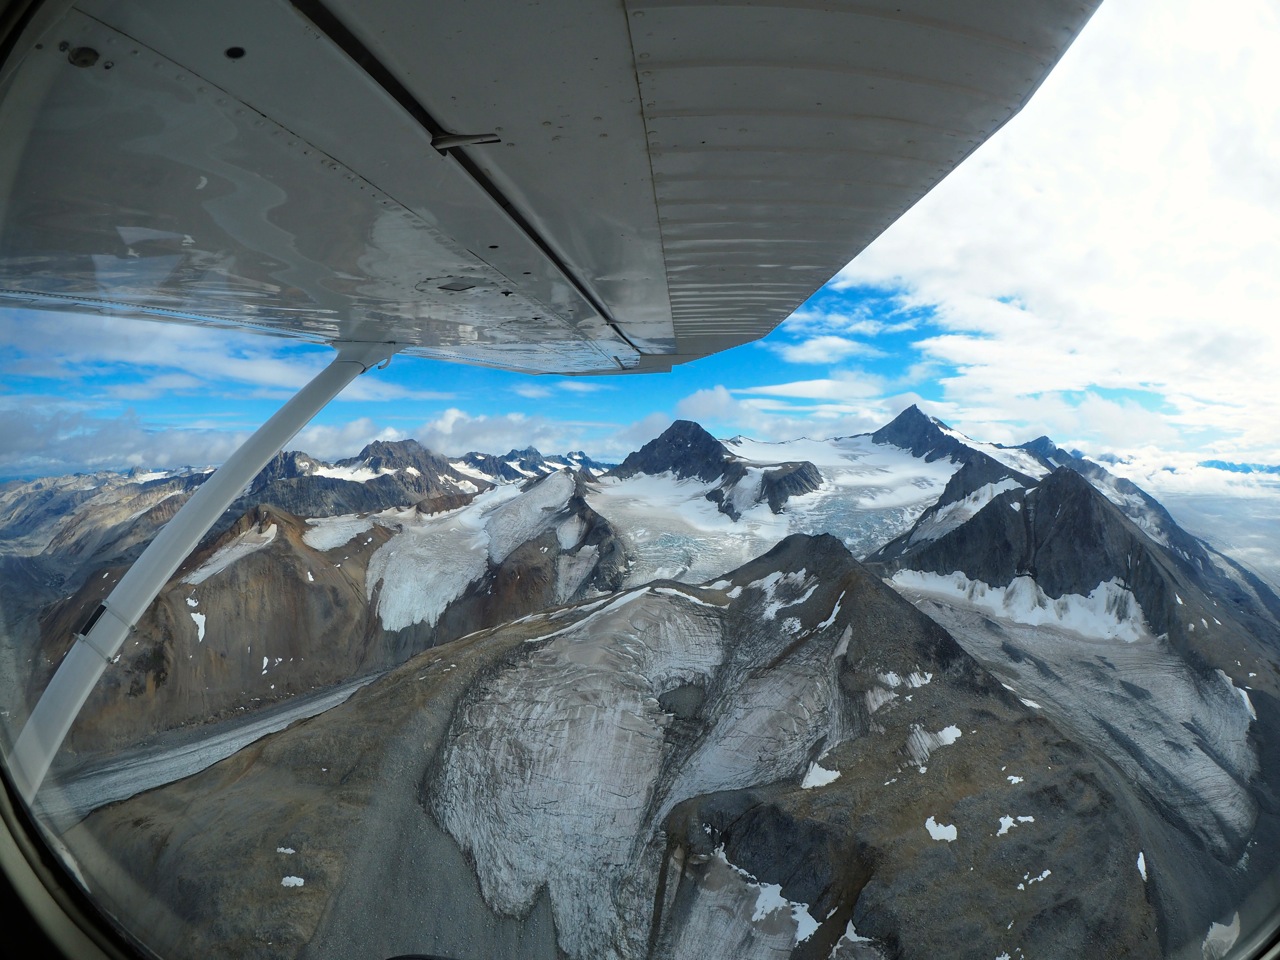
<point>802,650</point>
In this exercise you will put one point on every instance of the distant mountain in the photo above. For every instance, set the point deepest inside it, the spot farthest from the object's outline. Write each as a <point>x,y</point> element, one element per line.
<point>1082,592</point>
<point>1241,467</point>
<point>686,451</point>
<point>519,465</point>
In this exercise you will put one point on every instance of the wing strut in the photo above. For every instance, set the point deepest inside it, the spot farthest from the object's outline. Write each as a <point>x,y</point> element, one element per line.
<point>105,631</point>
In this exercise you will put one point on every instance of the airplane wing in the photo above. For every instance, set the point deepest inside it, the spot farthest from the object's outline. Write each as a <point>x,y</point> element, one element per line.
<point>585,186</point>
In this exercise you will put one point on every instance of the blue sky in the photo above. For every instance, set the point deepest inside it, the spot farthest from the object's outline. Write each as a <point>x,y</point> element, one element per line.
<point>1104,270</point>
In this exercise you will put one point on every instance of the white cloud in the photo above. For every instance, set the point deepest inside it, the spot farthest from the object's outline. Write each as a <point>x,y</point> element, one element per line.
<point>723,412</point>
<point>531,391</point>
<point>70,442</point>
<point>861,321</point>
<point>824,349</point>
<point>846,386</point>
<point>153,359</point>
<point>339,441</point>
<point>455,432</point>
<point>583,386</point>
<point>1123,230</point>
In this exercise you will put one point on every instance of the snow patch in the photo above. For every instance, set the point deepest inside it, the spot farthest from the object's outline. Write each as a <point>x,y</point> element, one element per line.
<point>818,776</point>
<point>199,621</point>
<point>1027,879</point>
<point>1221,938</point>
<point>251,541</point>
<point>940,831</point>
<point>1142,866</point>
<point>1007,823</point>
<point>952,515</point>
<point>355,474</point>
<point>292,882</point>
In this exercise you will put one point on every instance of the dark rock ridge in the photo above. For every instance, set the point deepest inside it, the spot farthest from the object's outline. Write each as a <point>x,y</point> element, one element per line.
<point>686,450</point>
<point>526,791</point>
<point>922,435</point>
<point>519,465</point>
<point>789,480</point>
<point>404,473</point>
<point>1196,754</point>
<point>1069,538</point>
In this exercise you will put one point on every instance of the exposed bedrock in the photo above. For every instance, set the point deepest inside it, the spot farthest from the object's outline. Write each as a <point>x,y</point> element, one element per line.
<point>787,762</point>
<point>840,768</point>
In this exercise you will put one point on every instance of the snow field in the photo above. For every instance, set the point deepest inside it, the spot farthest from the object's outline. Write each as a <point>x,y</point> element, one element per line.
<point>251,541</point>
<point>329,533</point>
<point>1109,611</point>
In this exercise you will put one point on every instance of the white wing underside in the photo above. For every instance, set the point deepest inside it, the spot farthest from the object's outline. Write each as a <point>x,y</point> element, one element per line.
<point>667,179</point>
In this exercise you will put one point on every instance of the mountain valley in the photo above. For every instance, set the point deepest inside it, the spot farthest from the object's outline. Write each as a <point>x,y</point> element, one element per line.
<point>869,697</point>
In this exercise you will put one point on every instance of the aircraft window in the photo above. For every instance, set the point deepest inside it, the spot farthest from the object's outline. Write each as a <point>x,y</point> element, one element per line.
<point>837,694</point>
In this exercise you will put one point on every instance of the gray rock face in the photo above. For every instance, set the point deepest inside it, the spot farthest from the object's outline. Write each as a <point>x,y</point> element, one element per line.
<point>684,449</point>
<point>689,452</point>
<point>788,762</point>
<point>383,475</point>
<point>921,434</point>
<point>1078,594</point>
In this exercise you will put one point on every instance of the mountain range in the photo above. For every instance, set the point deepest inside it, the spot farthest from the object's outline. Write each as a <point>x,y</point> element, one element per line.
<point>897,694</point>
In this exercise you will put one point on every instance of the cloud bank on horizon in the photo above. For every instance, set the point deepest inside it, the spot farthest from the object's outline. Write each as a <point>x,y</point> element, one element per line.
<point>1101,271</point>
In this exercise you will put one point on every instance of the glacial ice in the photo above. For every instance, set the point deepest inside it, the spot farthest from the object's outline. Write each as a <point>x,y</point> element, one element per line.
<point>869,494</point>
<point>1244,694</point>
<point>734,917</point>
<point>572,724</point>
<point>524,517</point>
<point>921,743</point>
<point>818,776</point>
<point>431,560</point>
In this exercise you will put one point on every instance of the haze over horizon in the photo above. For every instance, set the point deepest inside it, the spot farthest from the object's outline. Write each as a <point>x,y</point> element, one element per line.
<point>1101,271</point>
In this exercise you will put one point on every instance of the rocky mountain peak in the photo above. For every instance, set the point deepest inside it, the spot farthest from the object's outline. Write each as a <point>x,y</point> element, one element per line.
<point>391,455</point>
<point>1041,446</point>
<point>684,448</point>
<point>922,435</point>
